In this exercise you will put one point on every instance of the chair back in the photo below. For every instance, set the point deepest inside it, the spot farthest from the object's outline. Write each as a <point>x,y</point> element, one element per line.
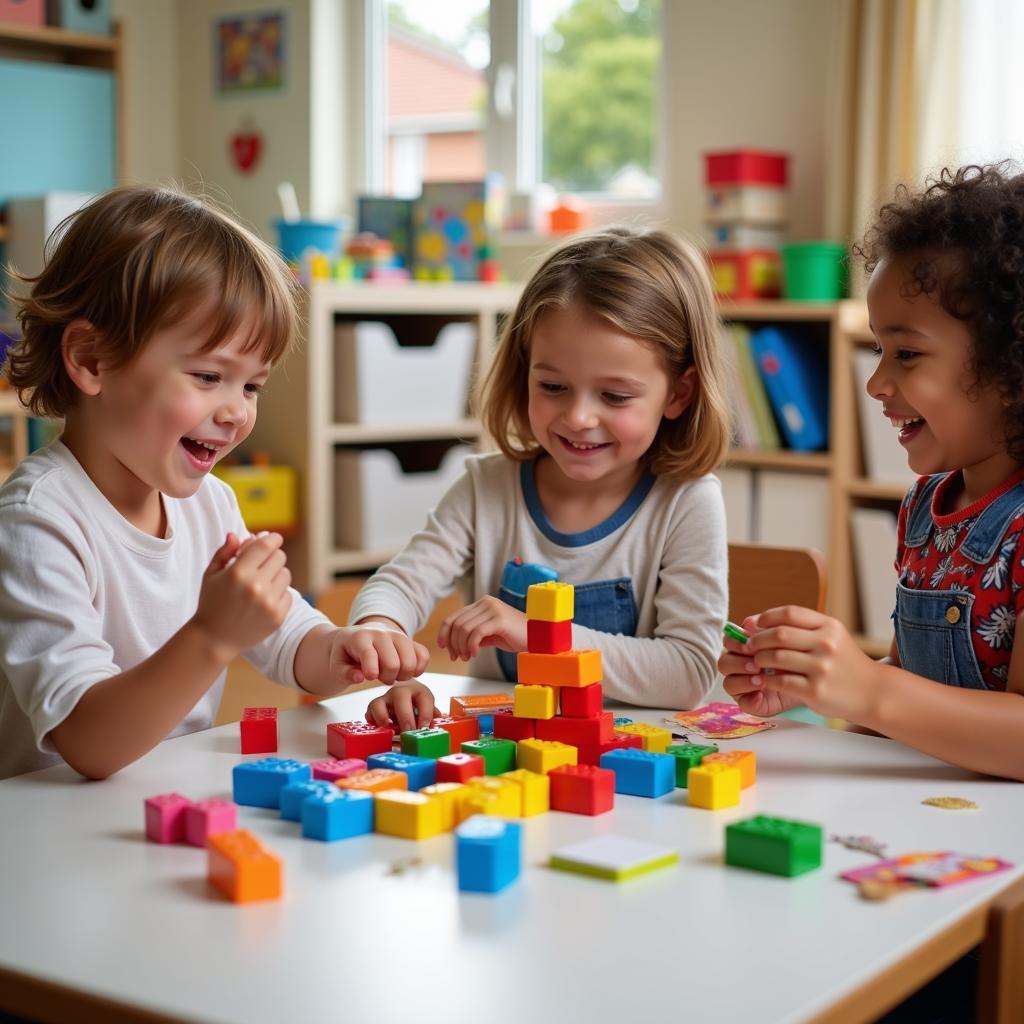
<point>763,577</point>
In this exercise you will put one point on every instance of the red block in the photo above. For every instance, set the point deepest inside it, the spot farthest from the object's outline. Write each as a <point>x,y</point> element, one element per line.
<point>358,739</point>
<point>577,731</point>
<point>460,730</point>
<point>590,753</point>
<point>259,730</point>
<point>582,702</point>
<point>582,789</point>
<point>459,767</point>
<point>745,167</point>
<point>548,637</point>
<point>508,727</point>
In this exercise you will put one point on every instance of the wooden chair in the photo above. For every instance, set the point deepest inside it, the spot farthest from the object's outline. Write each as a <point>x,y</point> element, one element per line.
<point>1001,981</point>
<point>762,577</point>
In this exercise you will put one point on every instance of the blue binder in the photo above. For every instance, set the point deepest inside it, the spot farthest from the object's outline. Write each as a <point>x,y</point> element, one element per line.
<point>795,371</point>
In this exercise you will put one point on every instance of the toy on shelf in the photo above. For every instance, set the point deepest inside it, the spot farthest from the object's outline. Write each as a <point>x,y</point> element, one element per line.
<point>455,228</point>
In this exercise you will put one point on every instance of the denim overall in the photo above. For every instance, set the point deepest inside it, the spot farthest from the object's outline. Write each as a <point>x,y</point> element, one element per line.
<point>605,605</point>
<point>933,627</point>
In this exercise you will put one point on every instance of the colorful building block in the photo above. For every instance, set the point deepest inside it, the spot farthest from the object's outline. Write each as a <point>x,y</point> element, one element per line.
<point>581,701</point>
<point>713,786</point>
<point>291,796</point>
<point>777,845</point>
<point>546,637</point>
<point>641,772</point>
<point>332,769</point>
<point>582,789</point>
<point>499,755</point>
<point>459,767</point>
<point>258,728</point>
<point>428,742</point>
<point>473,705</point>
<point>550,602</point>
<point>460,730</point>
<point>534,791</point>
<point>688,755</point>
<point>744,760</point>
<point>207,818</point>
<point>375,780</point>
<point>337,814</point>
<point>488,853</point>
<point>534,702</point>
<point>447,795</point>
<point>615,858</point>
<point>543,756</point>
<point>570,668</point>
<point>508,799</point>
<point>165,817</point>
<point>407,815</point>
<point>259,783</point>
<point>577,731</point>
<point>656,739</point>
<point>358,739</point>
<point>422,771</point>
<point>243,868</point>
<point>509,727</point>
<point>590,753</point>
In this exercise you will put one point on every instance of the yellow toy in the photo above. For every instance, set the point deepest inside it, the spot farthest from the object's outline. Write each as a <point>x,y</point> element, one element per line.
<point>534,702</point>
<point>542,756</point>
<point>713,786</point>
<point>551,602</point>
<point>398,812</point>
<point>655,738</point>
<point>446,795</point>
<point>534,791</point>
<point>744,760</point>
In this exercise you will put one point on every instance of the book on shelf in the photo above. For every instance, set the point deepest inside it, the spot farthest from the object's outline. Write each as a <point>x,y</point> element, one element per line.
<point>873,532</point>
<point>753,386</point>
<point>741,415</point>
<point>885,461</point>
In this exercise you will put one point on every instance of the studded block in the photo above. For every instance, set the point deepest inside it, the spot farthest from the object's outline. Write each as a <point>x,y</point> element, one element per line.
<point>499,755</point>
<point>447,795</point>
<point>488,853</point>
<point>570,668</point>
<point>546,637</point>
<point>744,760</point>
<point>408,815</point>
<point>292,796</point>
<point>534,791</point>
<point>688,755</point>
<point>581,701</point>
<point>590,753</point>
<point>577,732</point>
<point>258,728</point>
<point>374,780</point>
<point>332,769</point>
<point>207,818</point>
<point>713,786</point>
<point>474,705</point>
<point>421,771</point>
<point>460,730</point>
<point>656,739</point>
<point>259,783</point>
<point>582,789</point>
<point>459,767</point>
<point>243,868</point>
<point>550,602</point>
<point>507,799</point>
<point>165,817</point>
<point>429,742</point>
<point>509,727</point>
<point>534,702</point>
<point>641,772</point>
<point>543,756</point>
<point>776,845</point>
<point>358,739</point>
<point>338,814</point>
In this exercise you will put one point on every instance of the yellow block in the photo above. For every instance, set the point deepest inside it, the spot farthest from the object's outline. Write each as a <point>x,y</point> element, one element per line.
<point>397,812</point>
<point>656,739</point>
<point>744,760</point>
<point>570,668</point>
<point>535,791</point>
<point>543,756</point>
<point>551,602</point>
<point>508,800</point>
<point>713,786</point>
<point>446,794</point>
<point>534,702</point>
<point>267,495</point>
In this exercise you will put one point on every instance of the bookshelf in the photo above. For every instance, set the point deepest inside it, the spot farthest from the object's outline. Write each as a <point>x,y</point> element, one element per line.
<point>15,436</point>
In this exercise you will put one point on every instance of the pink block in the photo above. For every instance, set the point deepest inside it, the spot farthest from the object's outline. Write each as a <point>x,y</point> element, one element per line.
<point>165,817</point>
<point>333,769</point>
<point>207,818</point>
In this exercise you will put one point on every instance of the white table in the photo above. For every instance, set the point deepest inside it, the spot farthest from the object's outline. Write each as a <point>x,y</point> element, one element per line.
<point>91,911</point>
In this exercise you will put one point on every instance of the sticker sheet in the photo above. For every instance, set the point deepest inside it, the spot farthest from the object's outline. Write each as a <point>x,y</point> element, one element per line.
<point>720,720</point>
<point>933,869</point>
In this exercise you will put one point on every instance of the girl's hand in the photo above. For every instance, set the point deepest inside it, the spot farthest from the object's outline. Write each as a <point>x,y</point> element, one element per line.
<point>405,706</point>
<point>488,622</point>
<point>742,678</point>
<point>376,654</point>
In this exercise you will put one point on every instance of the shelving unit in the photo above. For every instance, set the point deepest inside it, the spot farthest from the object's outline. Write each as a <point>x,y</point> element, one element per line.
<point>11,408</point>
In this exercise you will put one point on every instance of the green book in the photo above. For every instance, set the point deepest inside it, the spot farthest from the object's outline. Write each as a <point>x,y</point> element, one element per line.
<point>753,385</point>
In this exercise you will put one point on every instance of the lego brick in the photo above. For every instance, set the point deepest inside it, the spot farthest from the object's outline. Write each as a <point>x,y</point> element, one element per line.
<point>613,857</point>
<point>447,795</point>
<point>534,702</point>
<point>258,728</point>
<point>509,727</point>
<point>550,602</point>
<point>358,739</point>
<point>582,789</point>
<point>577,731</point>
<point>713,786</point>
<point>259,783</point>
<point>546,637</point>
<point>534,791</point>
<point>407,815</point>
<point>459,767</point>
<point>473,705</point>
<point>422,771</point>
<point>508,800</point>
<point>332,769</point>
<point>779,846</point>
<point>374,780</point>
<point>582,701</point>
<point>460,730</point>
<point>292,796</point>
<point>207,818</point>
<point>243,868</point>
<point>656,739</point>
<point>590,753</point>
<point>339,814</point>
<point>499,755</point>
<point>543,756</point>
<point>429,742</point>
<point>488,853</point>
<point>641,772</point>
<point>165,817</point>
<point>688,755</point>
<point>744,760</point>
<point>570,668</point>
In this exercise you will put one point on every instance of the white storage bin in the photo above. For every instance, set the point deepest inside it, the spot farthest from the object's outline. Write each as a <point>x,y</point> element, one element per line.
<point>378,505</point>
<point>377,380</point>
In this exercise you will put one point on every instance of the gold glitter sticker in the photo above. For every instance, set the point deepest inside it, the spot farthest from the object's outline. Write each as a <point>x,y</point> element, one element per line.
<point>951,803</point>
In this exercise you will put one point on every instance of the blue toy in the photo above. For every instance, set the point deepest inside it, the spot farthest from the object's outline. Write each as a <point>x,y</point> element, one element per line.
<point>291,797</point>
<point>341,814</point>
<point>518,576</point>
<point>422,771</point>
<point>259,783</point>
<point>488,853</point>
<point>641,772</point>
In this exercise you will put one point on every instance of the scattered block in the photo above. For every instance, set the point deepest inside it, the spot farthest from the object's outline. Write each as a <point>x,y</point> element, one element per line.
<point>744,760</point>
<point>509,727</point>
<point>337,814</point>
<point>258,728</point>
<point>408,815</point>
<point>582,789</point>
<point>578,732</point>
<point>543,756</point>
<point>504,798</point>
<point>534,702</point>
<point>459,767</point>
<point>546,637</point>
<point>259,783</point>
<point>293,795</point>
<point>777,845</point>
<point>207,818</point>
<point>713,786</point>
<point>613,857</point>
<point>358,739</point>
<point>421,771</point>
<point>243,868</point>
<point>375,780</point>
<point>550,602</point>
<point>570,668</point>
<point>447,796</point>
<point>688,755</point>
<point>460,730</point>
<point>641,772</point>
<point>499,755</point>
<point>488,853</point>
<point>332,769</point>
<point>473,705</point>
<point>581,701</point>
<point>428,742</point>
<point>165,817</point>
<point>656,739</point>
<point>590,753</point>
<point>534,791</point>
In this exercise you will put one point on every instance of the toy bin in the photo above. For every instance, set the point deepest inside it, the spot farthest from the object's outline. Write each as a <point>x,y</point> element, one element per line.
<point>294,237</point>
<point>23,12</point>
<point>267,495</point>
<point>92,16</point>
<point>814,271</point>
<point>745,274</point>
<point>746,167</point>
<point>403,369</point>
<point>745,204</point>
<point>383,495</point>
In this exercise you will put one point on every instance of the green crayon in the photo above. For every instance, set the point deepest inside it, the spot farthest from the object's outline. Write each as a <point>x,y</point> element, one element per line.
<point>730,629</point>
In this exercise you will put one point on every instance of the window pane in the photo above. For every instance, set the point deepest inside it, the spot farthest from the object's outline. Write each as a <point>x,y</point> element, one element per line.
<point>437,92</point>
<point>600,65</point>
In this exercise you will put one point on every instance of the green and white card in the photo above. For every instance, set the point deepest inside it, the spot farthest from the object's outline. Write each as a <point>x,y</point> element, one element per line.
<point>613,857</point>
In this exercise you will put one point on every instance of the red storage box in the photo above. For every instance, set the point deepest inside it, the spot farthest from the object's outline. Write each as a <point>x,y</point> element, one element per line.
<point>746,274</point>
<point>23,12</point>
<point>745,167</point>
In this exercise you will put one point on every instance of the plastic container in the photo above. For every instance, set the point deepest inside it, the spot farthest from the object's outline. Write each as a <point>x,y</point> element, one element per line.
<point>296,236</point>
<point>746,167</point>
<point>814,271</point>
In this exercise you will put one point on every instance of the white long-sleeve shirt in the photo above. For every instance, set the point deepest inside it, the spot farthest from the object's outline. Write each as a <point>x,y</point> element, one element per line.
<point>662,554</point>
<point>84,596</point>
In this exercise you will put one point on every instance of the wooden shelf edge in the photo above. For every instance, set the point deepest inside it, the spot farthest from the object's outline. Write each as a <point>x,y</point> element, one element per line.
<point>364,433</point>
<point>57,38</point>
<point>864,488</point>
<point>801,462</point>
<point>777,309</point>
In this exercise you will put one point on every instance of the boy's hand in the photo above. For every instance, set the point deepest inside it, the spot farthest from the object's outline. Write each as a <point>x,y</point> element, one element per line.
<point>374,654</point>
<point>244,596</point>
<point>488,622</point>
<point>405,706</point>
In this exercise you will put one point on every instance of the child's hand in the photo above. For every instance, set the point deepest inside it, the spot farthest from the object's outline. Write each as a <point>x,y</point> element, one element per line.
<point>405,705</point>
<point>742,679</point>
<point>374,654</point>
<point>244,596</point>
<point>488,622</point>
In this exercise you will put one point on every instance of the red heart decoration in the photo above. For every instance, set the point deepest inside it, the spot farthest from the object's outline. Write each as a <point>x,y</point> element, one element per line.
<point>246,149</point>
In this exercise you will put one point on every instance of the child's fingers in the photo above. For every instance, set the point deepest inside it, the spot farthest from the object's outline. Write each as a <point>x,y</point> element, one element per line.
<point>733,664</point>
<point>769,638</point>
<point>773,662</point>
<point>790,615</point>
<point>363,653</point>
<point>422,659</point>
<point>461,639</point>
<point>377,711</point>
<point>225,552</point>
<point>423,700</point>
<point>253,555</point>
<point>402,708</point>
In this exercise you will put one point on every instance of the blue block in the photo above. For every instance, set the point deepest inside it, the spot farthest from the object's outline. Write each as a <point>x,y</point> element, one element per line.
<point>641,772</point>
<point>422,771</point>
<point>259,783</point>
<point>337,814</point>
<point>291,797</point>
<point>486,725</point>
<point>488,853</point>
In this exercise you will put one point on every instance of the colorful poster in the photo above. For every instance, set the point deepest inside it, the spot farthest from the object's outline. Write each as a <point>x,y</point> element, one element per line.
<point>249,52</point>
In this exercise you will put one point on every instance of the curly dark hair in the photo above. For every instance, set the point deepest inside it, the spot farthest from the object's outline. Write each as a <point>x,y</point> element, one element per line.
<point>965,229</point>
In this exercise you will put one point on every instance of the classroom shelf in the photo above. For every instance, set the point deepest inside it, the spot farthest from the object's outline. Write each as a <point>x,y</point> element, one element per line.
<point>863,488</point>
<point>361,433</point>
<point>801,462</point>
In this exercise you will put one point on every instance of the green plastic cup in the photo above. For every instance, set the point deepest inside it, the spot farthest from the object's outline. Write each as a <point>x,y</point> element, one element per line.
<point>814,271</point>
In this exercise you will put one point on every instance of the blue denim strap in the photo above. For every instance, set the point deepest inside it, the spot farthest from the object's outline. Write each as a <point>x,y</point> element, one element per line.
<point>989,529</point>
<point>920,523</point>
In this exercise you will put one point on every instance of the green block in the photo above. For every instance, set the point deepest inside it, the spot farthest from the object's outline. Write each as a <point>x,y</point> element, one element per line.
<point>688,755</point>
<point>427,742</point>
<point>776,845</point>
<point>499,755</point>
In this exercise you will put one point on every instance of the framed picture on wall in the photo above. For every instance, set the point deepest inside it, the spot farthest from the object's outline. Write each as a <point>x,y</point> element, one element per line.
<point>249,52</point>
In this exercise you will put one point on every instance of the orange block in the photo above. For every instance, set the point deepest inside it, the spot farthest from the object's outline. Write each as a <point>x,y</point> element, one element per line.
<point>376,780</point>
<point>473,705</point>
<point>744,760</point>
<point>242,867</point>
<point>570,668</point>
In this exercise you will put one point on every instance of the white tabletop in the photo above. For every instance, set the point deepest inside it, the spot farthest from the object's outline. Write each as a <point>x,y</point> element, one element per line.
<point>87,903</point>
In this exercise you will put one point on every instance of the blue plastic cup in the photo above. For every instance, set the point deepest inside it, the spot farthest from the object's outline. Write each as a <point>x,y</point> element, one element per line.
<point>296,236</point>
